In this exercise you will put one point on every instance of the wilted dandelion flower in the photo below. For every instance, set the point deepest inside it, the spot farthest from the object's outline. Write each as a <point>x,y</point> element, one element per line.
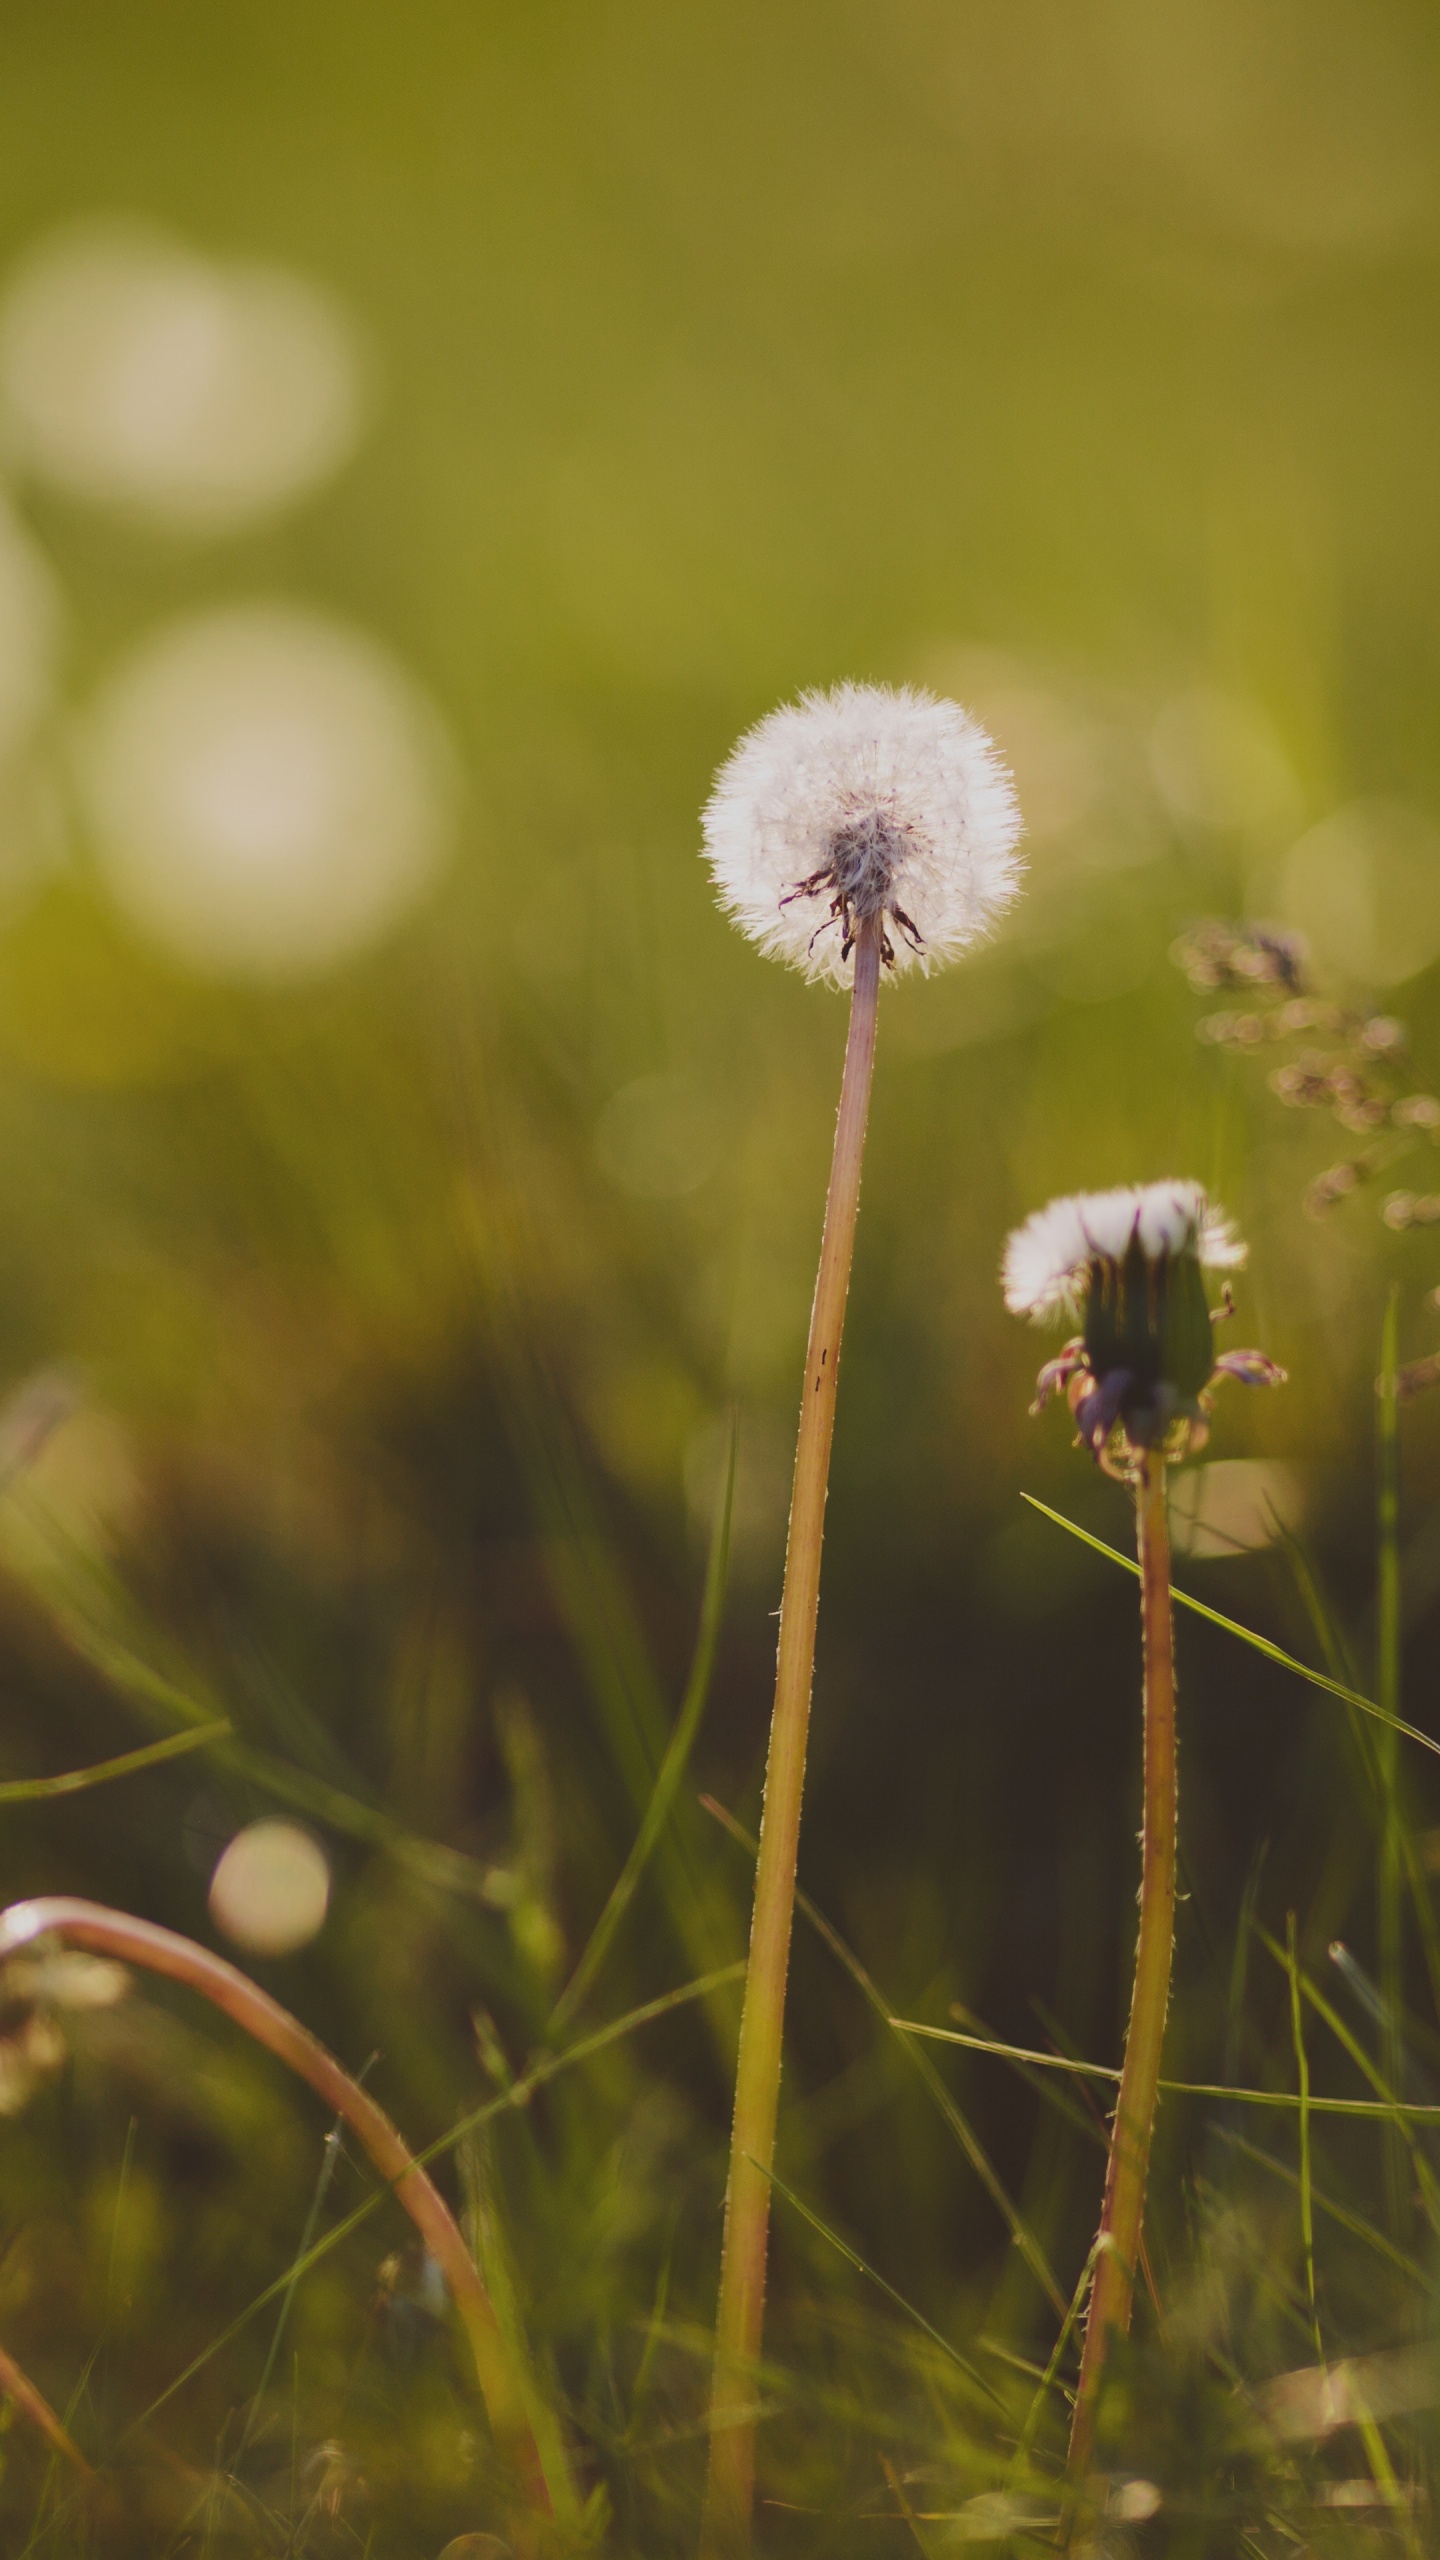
<point>864,802</point>
<point>1130,1263</point>
<point>1138,1378</point>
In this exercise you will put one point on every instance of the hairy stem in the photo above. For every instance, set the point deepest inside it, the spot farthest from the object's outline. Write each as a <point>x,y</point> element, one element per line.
<point>140,1942</point>
<point>1122,2215</point>
<point>741,2316</point>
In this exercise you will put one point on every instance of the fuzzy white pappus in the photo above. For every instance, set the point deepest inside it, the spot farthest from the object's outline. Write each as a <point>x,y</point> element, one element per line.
<point>1046,1260</point>
<point>864,802</point>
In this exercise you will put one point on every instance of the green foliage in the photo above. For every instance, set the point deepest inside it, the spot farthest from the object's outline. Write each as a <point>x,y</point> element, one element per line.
<point>1079,363</point>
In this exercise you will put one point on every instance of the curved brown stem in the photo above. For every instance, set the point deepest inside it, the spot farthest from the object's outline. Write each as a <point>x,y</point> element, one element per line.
<point>164,1951</point>
<point>1122,2215</point>
<point>741,2316</point>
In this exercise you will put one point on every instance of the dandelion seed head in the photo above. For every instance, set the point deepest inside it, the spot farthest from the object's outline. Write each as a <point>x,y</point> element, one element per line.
<point>864,802</point>
<point>1047,1259</point>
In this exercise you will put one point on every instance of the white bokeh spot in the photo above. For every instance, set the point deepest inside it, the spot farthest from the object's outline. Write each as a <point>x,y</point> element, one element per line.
<point>268,791</point>
<point>271,1889</point>
<point>138,375</point>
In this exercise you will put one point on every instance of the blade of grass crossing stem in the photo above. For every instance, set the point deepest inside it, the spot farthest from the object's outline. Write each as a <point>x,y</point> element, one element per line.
<point>1379,2111</point>
<point>677,1752</point>
<point>873,2276</point>
<point>1020,2232</point>
<point>1247,1635</point>
<point>1387,1683</point>
<point>1302,2077</point>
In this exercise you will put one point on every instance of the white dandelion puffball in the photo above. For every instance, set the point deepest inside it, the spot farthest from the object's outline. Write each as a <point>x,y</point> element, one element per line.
<point>1046,1260</point>
<point>864,802</point>
<point>138,375</point>
<point>271,1889</point>
<point>268,791</point>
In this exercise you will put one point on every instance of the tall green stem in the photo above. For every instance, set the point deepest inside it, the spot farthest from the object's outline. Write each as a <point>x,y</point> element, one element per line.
<point>741,2316</point>
<point>1122,2215</point>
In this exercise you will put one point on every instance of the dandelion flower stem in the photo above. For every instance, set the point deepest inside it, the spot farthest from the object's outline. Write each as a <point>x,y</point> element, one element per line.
<point>740,2320</point>
<point>1118,2244</point>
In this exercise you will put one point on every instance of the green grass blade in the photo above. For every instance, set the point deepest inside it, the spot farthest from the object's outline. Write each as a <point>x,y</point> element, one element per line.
<point>1302,2073</point>
<point>1387,2111</point>
<point>590,1590</point>
<point>519,2094</point>
<point>677,1752</point>
<point>93,1610</point>
<point>969,2142</point>
<point>74,1782</point>
<point>1398,2113</point>
<point>1348,2220</point>
<point>1051,2375</point>
<point>1232,1627</point>
<point>873,2276</point>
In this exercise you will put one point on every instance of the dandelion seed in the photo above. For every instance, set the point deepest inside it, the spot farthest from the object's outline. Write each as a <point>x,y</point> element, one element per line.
<point>864,802</point>
<point>1048,1260</point>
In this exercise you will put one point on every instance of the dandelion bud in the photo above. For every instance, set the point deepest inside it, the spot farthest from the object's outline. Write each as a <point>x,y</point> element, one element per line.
<point>864,803</point>
<point>1130,1264</point>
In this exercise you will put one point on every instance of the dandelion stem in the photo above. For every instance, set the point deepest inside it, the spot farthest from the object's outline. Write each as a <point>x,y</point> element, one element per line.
<point>1122,2215</point>
<point>741,2315</point>
<point>164,1951</point>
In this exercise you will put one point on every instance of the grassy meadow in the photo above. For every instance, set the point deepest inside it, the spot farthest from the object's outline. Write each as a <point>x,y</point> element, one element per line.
<point>401,1335</point>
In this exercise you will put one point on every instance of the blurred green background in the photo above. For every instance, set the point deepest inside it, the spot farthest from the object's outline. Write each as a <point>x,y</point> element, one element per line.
<point>1079,363</point>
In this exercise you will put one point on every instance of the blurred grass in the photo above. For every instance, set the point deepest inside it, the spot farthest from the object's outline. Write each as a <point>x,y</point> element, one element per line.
<point>1085,366</point>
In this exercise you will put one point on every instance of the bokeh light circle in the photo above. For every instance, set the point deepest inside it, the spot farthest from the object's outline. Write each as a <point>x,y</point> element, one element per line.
<point>138,375</point>
<point>268,791</point>
<point>271,1889</point>
<point>30,629</point>
<point>1364,889</point>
